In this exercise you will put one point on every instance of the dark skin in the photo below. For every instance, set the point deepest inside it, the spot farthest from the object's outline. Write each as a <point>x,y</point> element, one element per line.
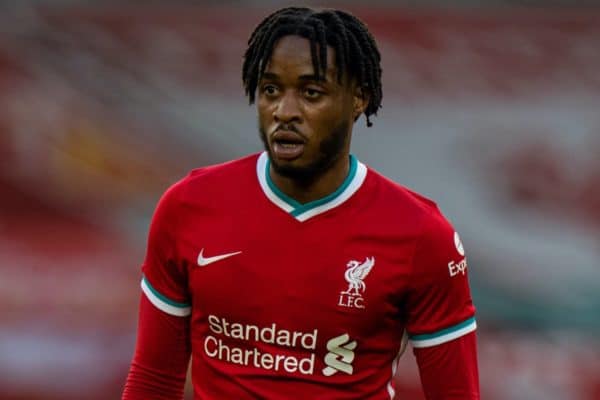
<point>319,114</point>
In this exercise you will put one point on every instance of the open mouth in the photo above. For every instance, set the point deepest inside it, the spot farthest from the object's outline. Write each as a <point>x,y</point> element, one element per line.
<point>287,145</point>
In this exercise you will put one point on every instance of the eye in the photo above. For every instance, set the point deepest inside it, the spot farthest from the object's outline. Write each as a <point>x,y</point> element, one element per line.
<point>269,89</point>
<point>312,94</point>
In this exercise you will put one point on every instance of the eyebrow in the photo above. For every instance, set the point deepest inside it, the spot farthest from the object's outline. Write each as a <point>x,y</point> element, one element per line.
<point>306,78</point>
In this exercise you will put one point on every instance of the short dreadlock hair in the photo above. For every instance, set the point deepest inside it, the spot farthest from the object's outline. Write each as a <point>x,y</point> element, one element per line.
<point>356,52</point>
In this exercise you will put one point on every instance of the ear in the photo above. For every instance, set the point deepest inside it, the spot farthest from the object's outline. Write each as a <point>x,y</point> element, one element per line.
<point>361,101</point>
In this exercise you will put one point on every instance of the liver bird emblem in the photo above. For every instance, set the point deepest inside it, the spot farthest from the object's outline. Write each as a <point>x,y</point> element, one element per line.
<point>356,273</point>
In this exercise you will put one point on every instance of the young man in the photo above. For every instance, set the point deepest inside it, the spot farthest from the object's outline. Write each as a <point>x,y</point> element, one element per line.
<point>300,272</point>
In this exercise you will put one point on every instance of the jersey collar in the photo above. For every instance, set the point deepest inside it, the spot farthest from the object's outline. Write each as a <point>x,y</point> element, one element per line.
<point>302,212</point>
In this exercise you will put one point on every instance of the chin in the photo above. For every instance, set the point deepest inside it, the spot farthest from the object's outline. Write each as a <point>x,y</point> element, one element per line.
<point>297,169</point>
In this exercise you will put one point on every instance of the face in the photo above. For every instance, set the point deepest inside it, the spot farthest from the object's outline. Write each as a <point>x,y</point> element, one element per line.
<point>305,123</point>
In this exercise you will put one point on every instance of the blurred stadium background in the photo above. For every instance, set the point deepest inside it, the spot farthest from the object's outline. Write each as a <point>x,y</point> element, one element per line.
<point>490,107</point>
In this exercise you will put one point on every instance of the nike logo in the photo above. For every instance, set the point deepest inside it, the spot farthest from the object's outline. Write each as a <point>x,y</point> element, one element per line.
<point>202,261</point>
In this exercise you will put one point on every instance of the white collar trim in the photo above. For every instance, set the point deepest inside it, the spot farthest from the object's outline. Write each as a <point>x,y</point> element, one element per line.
<point>303,212</point>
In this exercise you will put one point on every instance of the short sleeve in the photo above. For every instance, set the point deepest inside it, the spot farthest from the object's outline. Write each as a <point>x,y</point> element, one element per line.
<point>439,304</point>
<point>164,280</point>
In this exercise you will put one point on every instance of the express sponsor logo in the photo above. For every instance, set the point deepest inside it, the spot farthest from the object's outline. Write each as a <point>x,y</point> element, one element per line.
<point>460,267</point>
<point>458,244</point>
<point>457,268</point>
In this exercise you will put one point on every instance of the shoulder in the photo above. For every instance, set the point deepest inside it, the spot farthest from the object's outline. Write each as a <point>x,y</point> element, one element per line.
<point>214,179</point>
<point>406,203</point>
<point>415,215</point>
<point>231,168</point>
<point>206,186</point>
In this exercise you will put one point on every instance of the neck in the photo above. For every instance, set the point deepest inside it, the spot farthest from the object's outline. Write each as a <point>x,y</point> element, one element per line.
<point>323,184</point>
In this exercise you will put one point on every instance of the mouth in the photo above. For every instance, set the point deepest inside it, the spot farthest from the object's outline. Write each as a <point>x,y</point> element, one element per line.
<point>287,145</point>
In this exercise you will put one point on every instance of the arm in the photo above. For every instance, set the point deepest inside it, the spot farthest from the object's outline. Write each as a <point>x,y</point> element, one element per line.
<point>449,371</point>
<point>441,322</point>
<point>162,353</point>
<point>160,362</point>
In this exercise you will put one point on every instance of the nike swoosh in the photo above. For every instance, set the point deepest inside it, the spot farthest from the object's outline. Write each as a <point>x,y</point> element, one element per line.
<point>203,261</point>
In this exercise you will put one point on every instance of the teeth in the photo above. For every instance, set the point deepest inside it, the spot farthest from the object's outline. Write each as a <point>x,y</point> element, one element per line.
<point>288,145</point>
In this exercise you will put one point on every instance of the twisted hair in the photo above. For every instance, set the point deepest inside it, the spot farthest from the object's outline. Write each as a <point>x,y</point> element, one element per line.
<point>357,56</point>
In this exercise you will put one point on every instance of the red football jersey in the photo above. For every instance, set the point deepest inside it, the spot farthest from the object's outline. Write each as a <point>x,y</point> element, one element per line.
<point>315,300</point>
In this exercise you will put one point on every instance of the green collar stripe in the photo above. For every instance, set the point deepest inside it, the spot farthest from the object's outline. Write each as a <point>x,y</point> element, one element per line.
<point>302,212</point>
<point>301,208</point>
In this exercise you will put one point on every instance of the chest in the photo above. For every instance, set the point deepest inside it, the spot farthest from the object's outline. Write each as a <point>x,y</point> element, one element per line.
<point>329,271</point>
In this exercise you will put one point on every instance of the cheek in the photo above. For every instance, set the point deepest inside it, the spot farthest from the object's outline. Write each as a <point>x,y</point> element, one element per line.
<point>264,114</point>
<point>330,115</point>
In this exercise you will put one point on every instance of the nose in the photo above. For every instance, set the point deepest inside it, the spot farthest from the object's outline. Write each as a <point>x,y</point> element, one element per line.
<point>287,109</point>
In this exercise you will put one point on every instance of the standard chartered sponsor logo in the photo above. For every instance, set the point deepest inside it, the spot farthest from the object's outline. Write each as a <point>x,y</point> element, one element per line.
<point>340,356</point>
<point>243,344</point>
<point>215,346</point>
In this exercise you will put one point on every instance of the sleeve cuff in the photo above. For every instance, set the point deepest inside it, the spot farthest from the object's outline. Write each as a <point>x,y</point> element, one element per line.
<point>444,335</point>
<point>163,303</point>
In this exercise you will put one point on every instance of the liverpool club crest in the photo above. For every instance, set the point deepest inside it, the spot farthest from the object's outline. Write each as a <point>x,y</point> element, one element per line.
<point>355,274</point>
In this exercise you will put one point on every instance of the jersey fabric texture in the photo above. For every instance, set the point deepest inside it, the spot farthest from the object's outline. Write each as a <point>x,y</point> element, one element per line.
<point>313,299</point>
